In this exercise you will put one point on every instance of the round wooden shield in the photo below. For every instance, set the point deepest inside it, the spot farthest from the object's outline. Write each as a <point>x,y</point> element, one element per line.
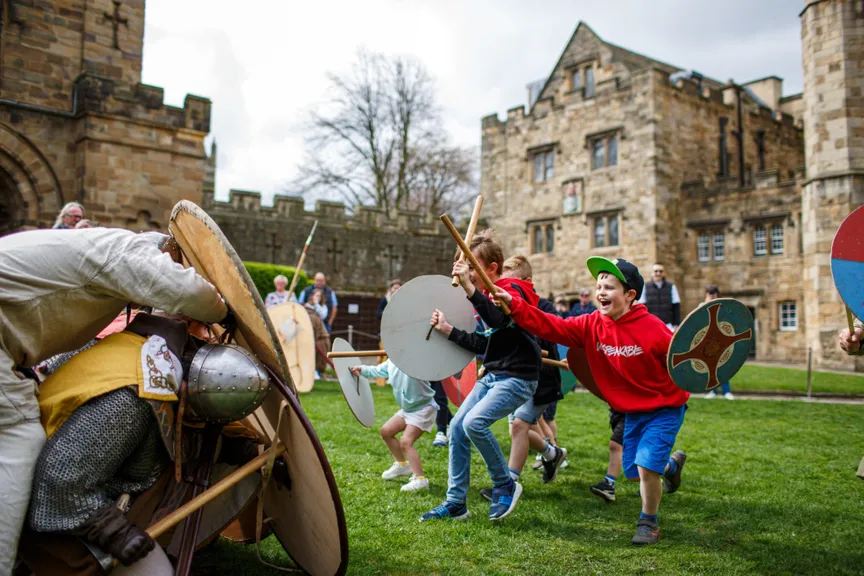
<point>356,389</point>
<point>457,389</point>
<point>405,328</point>
<point>206,249</point>
<point>568,379</point>
<point>294,328</point>
<point>577,359</point>
<point>847,261</point>
<point>711,345</point>
<point>308,519</point>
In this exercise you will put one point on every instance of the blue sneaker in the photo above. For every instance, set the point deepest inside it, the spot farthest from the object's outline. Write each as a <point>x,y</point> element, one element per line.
<point>504,500</point>
<point>447,510</point>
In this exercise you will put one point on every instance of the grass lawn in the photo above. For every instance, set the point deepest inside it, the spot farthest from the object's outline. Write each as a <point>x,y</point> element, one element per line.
<point>769,488</point>
<point>752,377</point>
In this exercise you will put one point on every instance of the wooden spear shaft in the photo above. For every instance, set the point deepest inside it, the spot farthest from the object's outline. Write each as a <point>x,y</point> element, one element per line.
<point>850,318</point>
<point>299,267</point>
<point>472,226</point>
<point>467,252</point>
<point>357,354</point>
<point>171,520</point>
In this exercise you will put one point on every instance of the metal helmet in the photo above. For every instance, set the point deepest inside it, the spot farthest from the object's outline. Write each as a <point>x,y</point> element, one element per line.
<point>225,383</point>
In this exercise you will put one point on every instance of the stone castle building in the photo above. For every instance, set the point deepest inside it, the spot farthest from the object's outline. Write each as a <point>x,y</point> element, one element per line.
<point>618,154</point>
<point>77,124</point>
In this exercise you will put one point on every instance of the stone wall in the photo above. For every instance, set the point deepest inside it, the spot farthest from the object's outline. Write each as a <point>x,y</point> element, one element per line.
<point>358,253</point>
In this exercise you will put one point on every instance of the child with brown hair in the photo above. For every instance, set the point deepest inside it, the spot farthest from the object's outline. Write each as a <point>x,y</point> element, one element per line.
<point>512,361</point>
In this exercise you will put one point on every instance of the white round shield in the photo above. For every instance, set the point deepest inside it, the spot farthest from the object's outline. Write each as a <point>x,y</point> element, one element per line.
<point>356,389</point>
<point>405,328</point>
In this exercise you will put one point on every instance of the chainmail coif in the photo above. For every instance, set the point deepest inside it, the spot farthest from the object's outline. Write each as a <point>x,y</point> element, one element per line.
<point>108,447</point>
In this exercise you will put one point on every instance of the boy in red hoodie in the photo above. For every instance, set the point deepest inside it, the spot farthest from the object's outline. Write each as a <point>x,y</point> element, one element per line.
<point>626,348</point>
<point>512,360</point>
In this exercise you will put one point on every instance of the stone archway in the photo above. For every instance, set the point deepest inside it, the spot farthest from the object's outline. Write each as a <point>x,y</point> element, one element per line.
<point>31,193</point>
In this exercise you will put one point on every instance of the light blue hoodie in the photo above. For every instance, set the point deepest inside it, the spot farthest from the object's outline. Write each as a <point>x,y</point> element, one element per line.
<point>411,394</point>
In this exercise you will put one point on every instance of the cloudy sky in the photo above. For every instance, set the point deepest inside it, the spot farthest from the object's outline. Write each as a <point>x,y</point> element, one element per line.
<point>263,63</point>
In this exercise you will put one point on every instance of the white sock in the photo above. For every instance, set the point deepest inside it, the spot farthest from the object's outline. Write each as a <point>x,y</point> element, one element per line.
<point>549,452</point>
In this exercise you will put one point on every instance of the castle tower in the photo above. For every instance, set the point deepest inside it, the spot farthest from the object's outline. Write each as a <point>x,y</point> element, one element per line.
<point>832,36</point>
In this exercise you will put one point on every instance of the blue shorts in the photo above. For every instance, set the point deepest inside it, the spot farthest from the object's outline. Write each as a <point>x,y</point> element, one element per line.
<point>528,412</point>
<point>649,438</point>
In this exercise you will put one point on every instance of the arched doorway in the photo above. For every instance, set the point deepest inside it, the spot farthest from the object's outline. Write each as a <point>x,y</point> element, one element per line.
<point>12,206</point>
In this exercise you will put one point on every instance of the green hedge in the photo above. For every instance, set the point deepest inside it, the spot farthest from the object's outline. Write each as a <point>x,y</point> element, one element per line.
<point>263,274</point>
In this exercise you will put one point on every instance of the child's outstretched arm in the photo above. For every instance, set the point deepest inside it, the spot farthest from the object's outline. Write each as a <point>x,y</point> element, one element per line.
<point>474,342</point>
<point>565,331</point>
<point>380,371</point>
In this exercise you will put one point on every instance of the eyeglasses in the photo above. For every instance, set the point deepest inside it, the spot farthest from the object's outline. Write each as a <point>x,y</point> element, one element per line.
<point>658,271</point>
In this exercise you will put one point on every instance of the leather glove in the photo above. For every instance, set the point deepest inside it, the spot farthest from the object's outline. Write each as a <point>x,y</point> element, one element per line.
<point>230,321</point>
<point>111,530</point>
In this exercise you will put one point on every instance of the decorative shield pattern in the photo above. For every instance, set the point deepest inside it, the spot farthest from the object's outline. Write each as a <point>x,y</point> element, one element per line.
<point>405,328</point>
<point>457,389</point>
<point>206,249</point>
<point>711,345</point>
<point>356,389</point>
<point>847,261</point>
<point>294,328</point>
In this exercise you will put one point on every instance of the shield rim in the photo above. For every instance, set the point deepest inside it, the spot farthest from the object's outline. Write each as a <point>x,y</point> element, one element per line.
<point>341,365</point>
<point>198,213</point>
<point>679,332</point>
<point>452,385</point>
<point>389,319</point>
<point>306,324</point>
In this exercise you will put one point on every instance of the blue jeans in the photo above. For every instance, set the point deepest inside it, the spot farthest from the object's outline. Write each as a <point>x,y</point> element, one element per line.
<point>725,388</point>
<point>493,397</point>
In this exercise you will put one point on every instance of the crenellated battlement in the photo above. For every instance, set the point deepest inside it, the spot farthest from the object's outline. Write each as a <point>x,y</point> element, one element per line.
<point>247,204</point>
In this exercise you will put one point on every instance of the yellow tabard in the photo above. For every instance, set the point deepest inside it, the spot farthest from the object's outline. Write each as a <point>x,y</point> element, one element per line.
<point>110,365</point>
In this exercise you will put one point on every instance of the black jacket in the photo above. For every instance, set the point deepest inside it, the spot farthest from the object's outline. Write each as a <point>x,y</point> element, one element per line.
<point>549,385</point>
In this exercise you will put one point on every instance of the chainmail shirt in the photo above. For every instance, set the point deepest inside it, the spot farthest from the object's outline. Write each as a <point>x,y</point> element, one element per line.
<point>54,363</point>
<point>108,447</point>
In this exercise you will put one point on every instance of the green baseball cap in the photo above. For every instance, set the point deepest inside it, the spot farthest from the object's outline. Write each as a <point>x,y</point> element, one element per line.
<point>625,271</point>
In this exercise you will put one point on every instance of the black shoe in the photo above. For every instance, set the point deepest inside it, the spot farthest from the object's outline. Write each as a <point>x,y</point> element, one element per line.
<point>486,493</point>
<point>550,467</point>
<point>671,482</point>
<point>647,532</point>
<point>604,490</point>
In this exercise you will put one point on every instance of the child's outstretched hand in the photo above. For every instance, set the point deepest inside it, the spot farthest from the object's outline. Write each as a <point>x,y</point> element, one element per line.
<point>851,342</point>
<point>502,295</point>
<point>439,322</point>
<point>355,370</point>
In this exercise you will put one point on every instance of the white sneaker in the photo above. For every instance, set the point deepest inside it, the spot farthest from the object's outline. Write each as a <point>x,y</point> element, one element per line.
<point>711,394</point>
<point>317,375</point>
<point>440,439</point>
<point>415,484</point>
<point>728,396</point>
<point>564,464</point>
<point>395,471</point>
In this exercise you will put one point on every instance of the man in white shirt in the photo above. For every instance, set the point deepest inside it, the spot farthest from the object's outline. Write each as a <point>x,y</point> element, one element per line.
<point>58,290</point>
<point>662,299</point>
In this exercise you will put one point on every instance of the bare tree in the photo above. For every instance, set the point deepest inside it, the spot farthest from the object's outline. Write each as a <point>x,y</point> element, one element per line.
<point>379,141</point>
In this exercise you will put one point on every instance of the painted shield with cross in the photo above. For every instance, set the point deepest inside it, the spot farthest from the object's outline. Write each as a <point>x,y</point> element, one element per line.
<point>711,345</point>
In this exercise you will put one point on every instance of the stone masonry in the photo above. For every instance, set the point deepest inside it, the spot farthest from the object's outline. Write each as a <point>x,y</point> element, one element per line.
<point>679,192</point>
<point>77,124</point>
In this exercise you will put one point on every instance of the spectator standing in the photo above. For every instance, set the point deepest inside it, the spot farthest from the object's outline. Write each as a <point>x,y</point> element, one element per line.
<point>561,307</point>
<point>69,216</point>
<point>83,224</point>
<point>395,284</point>
<point>281,295</point>
<point>316,304</point>
<point>712,292</point>
<point>662,299</point>
<point>330,301</point>
<point>584,306</point>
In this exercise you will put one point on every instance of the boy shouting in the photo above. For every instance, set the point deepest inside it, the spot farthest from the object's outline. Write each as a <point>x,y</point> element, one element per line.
<point>626,349</point>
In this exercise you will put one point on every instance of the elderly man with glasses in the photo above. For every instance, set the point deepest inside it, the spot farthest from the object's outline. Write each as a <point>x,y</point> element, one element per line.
<point>662,298</point>
<point>70,215</point>
<point>584,305</point>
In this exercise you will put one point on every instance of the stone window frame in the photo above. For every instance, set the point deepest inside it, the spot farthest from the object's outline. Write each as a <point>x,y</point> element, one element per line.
<point>581,69</point>
<point>609,138</point>
<point>776,241</point>
<point>547,152</point>
<point>787,316</point>
<point>760,240</point>
<point>763,225</point>
<point>710,236</point>
<point>703,246</point>
<point>545,227</point>
<point>606,217</point>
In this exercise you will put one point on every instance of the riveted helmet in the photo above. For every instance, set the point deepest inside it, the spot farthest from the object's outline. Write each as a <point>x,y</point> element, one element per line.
<point>225,383</point>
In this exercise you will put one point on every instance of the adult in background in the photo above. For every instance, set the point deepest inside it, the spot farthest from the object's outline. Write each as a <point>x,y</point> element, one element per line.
<point>84,224</point>
<point>584,305</point>
<point>561,308</point>
<point>69,216</point>
<point>662,299</point>
<point>281,295</point>
<point>395,284</point>
<point>712,292</point>
<point>320,283</point>
<point>58,290</point>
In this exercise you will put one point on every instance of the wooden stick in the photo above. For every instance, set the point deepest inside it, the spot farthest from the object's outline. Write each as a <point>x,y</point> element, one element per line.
<point>558,363</point>
<point>850,318</point>
<point>467,252</point>
<point>472,226</point>
<point>545,353</point>
<point>356,354</point>
<point>299,267</point>
<point>171,520</point>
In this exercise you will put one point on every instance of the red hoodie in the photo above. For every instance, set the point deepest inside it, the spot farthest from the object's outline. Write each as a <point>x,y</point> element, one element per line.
<point>626,356</point>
